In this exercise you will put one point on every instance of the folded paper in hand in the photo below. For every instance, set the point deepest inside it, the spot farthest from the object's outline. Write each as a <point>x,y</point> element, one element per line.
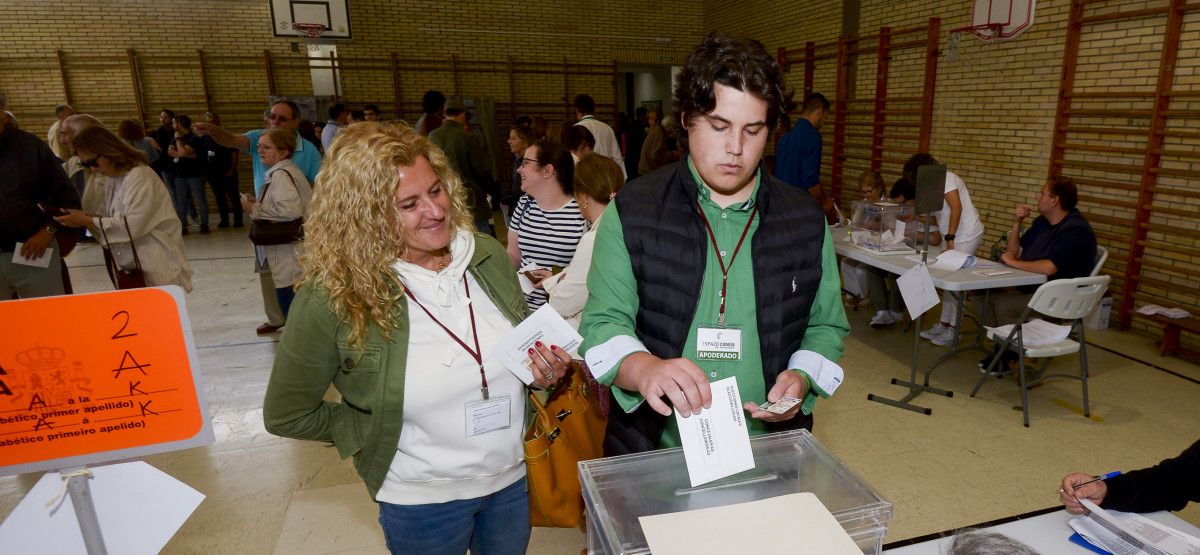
<point>1035,333</point>
<point>716,441</point>
<point>543,325</point>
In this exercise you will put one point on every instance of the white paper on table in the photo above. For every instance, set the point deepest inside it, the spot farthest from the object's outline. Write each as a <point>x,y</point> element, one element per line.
<point>543,325</point>
<point>42,261</point>
<point>1152,309</point>
<point>716,442</point>
<point>139,508</point>
<point>732,528</point>
<point>1036,332</point>
<point>1138,532</point>
<point>952,260</point>
<point>527,286</point>
<point>917,290</point>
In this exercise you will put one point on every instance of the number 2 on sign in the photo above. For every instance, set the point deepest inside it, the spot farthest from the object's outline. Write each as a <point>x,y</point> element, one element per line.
<point>121,332</point>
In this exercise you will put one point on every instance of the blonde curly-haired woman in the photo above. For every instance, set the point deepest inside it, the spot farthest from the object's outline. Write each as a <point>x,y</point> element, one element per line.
<point>401,301</point>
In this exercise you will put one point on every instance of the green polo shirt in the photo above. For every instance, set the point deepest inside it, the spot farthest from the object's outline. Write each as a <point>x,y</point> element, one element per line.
<point>613,304</point>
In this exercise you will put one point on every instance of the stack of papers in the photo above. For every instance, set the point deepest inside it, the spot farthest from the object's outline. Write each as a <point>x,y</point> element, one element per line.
<point>1152,309</point>
<point>1035,333</point>
<point>953,260</point>
<point>1130,533</point>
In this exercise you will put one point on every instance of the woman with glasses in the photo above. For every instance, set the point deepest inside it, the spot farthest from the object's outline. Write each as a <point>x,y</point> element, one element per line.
<point>285,197</point>
<point>519,139</point>
<point>546,224</point>
<point>136,213</point>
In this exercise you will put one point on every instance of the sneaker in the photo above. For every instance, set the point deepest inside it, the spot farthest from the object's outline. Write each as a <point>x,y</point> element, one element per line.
<point>946,339</point>
<point>937,330</point>
<point>884,318</point>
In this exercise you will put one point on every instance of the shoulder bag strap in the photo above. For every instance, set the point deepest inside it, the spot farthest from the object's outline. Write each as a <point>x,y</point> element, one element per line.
<point>110,261</point>
<point>136,261</point>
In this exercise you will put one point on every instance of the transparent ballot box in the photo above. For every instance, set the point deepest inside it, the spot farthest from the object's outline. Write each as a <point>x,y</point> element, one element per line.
<point>873,225</point>
<point>618,490</point>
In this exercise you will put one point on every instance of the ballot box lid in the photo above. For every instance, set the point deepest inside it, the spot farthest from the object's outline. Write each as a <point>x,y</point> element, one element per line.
<point>618,490</point>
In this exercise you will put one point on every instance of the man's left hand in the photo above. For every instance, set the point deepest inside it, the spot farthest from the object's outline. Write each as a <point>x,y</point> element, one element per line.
<point>789,384</point>
<point>35,246</point>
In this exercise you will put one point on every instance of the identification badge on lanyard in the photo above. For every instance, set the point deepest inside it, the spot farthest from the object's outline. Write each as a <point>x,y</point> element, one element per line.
<point>718,343</point>
<point>484,416</point>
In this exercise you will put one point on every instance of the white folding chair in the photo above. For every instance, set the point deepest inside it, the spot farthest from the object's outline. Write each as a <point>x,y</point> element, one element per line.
<point>1101,257</point>
<point>1065,299</point>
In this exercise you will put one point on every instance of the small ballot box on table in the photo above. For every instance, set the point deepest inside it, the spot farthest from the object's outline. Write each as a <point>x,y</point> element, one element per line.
<point>618,490</point>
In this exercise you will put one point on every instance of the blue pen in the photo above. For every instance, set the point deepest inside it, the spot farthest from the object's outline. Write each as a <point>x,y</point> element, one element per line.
<point>1113,474</point>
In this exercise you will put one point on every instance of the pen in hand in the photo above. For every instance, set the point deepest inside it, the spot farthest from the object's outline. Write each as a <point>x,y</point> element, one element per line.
<point>1096,479</point>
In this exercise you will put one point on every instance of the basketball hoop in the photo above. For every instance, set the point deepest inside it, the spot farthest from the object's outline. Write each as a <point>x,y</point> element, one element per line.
<point>312,31</point>
<point>998,19</point>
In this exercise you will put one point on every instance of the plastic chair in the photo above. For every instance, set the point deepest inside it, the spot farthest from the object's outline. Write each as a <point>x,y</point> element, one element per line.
<point>1065,299</point>
<point>1101,258</point>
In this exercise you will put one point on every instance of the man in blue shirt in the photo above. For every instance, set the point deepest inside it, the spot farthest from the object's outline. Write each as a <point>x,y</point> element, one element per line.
<point>798,154</point>
<point>284,114</point>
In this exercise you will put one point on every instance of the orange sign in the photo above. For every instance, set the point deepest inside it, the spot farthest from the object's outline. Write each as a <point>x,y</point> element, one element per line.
<point>98,373</point>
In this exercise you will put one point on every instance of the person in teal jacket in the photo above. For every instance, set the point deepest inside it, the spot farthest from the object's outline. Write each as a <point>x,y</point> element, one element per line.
<point>401,305</point>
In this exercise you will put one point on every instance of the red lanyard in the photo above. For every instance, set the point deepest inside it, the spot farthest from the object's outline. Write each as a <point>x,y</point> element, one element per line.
<point>721,258</point>
<point>477,353</point>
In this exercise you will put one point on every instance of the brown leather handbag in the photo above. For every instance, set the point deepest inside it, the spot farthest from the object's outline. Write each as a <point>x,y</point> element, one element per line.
<point>566,429</point>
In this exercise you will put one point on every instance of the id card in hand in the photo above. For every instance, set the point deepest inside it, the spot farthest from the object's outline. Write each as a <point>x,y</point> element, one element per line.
<point>781,406</point>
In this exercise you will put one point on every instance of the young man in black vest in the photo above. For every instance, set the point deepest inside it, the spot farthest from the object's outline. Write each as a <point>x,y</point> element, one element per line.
<point>709,268</point>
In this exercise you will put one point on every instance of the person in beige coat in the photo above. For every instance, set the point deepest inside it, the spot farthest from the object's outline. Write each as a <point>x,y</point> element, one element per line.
<point>285,196</point>
<point>136,208</point>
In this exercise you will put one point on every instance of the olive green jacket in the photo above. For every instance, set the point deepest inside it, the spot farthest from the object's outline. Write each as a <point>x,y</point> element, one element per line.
<point>313,353</point>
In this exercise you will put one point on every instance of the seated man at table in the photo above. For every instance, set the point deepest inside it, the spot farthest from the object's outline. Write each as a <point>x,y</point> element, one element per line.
<point>1060,244</point>
<point>1167,486</point>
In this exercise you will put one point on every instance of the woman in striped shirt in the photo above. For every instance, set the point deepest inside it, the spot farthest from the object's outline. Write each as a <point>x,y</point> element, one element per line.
<point>546,224</point>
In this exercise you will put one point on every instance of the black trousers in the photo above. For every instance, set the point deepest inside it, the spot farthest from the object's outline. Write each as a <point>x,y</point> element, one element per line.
<point>225,190</point>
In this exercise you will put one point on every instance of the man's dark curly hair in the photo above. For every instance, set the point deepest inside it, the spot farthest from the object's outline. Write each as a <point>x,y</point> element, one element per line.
<point>744,65</point>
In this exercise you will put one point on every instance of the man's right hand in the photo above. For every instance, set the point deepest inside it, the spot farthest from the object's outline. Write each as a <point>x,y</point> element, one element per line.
<point>1022,211</point>
<point>1071,495</point>
<point>677,379</point>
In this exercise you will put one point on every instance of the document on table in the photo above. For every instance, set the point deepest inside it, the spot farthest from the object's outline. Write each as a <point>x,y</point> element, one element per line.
<point>42,261</point>
<point>731,528</point>
<point>954,260</point>
<point>1124,533</point>
<point>1036,332</point>
<point>543,325</point>
<point>917,290</point>
<point>139,508</point>
<point>1148,310</point>
<point>716,441</point>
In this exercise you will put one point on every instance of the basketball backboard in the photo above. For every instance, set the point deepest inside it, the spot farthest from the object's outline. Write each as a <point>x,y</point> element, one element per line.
<point>333,14</point>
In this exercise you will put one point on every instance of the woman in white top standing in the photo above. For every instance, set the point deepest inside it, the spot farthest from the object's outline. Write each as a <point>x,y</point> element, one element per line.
<point>546,224</point>
<point>401,303</point>
<point>961,229</point>
<point>597,180</point>
<point>136,208</point>
<point>285,197</point>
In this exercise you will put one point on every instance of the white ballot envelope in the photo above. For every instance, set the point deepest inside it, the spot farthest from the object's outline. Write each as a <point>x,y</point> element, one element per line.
<point>543,325</point>
<point>716,442</point>
<point>42,261</point>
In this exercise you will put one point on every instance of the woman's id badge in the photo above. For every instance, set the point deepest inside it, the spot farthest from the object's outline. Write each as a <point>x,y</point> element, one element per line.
<point>718,343</point>
<point>485,416</point>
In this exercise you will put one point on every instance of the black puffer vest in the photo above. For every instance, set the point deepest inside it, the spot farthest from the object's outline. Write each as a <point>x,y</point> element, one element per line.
<point>668,247</point>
